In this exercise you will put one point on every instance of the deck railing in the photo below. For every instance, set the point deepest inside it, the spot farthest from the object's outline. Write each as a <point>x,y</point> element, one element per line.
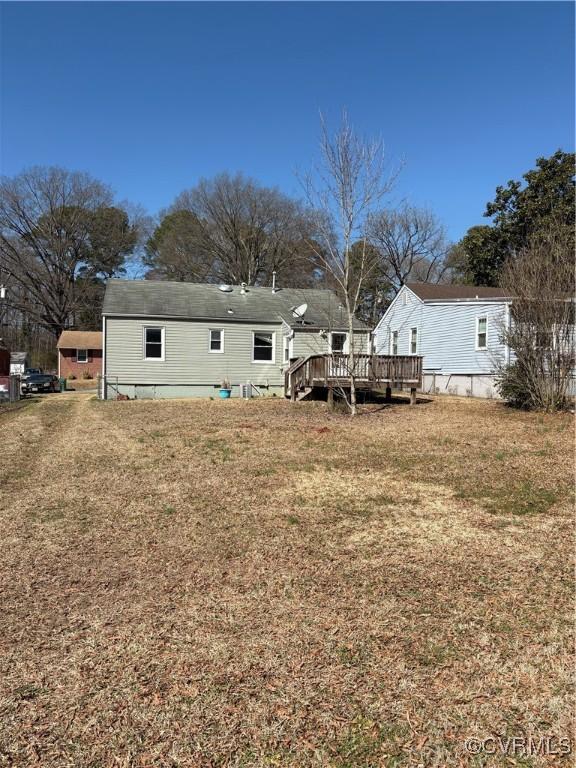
<point>370,371</point>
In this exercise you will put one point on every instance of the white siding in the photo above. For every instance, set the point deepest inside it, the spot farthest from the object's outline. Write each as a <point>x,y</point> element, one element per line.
<point>446,334</point>
<point>402,318</point>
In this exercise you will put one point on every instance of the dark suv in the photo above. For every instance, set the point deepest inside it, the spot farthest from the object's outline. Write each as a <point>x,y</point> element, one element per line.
<point>39,382</point>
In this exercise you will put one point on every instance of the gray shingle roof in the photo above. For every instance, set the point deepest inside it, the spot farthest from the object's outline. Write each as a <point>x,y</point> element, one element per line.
<point>203,301</point>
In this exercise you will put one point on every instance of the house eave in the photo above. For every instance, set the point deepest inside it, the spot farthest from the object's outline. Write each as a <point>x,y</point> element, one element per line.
<point>479,300</point>
<point>212,319</point>
<point>232,319</point>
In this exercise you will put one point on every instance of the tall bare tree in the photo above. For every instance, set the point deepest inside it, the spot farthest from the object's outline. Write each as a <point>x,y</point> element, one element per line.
<point>345,189</point>
<point>540,329</point>
<point>59,234</point>
<point>247,231</point>
<point>412,245</point>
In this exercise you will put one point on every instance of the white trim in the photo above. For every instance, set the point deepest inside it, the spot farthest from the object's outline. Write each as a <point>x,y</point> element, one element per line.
<point>413,328</point>
<point>104,393</point>
<point>287,346</point>
<point>391,347</point>
<point>162,329</point>
<point>216,351</point>
<point>265,362</point>
<point>345,346</point>
<point>476,346</point>
<point>82,349</point>
<point>507,327</point>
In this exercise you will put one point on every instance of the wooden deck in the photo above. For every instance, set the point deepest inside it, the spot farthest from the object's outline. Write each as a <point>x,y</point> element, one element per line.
<point>371,372</point>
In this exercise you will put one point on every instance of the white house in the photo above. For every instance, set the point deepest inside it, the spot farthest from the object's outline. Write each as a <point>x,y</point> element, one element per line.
<point>456,328</point>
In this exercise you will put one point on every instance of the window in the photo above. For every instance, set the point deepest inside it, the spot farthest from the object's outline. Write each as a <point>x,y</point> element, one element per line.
<point>481,333</point>
<point>81,355</point>
<point>153,343</point>
<point>337,343</point>
<point>413,341</point>
<point>287,342</point>
<point>216,340</point>
<point>394,343</point>
<point>262,347</point>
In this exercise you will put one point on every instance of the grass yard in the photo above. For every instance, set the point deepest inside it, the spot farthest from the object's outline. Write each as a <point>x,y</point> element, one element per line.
<point>201,584</point>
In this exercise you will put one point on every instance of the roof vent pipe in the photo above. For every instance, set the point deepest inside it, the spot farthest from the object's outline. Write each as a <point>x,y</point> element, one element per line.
<point>274,281</point>
<point>243,287</point>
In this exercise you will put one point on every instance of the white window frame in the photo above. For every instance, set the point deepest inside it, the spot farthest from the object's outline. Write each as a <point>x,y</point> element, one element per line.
<point>393,342</point>
<point>345,347</point>
<point>476,345</point>
<point>77,357</point>
<point>265,362</point>
<point>414,328</point>
<point>162,330</point>
<point>216,351</point>
<point>287,348</point>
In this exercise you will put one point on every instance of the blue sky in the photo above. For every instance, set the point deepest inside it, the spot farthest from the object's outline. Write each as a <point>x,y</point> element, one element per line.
<point>149,97</point>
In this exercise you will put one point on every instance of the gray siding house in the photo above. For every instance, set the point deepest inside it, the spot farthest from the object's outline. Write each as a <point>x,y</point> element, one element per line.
<point>166,339</point>
<point>457,330</point>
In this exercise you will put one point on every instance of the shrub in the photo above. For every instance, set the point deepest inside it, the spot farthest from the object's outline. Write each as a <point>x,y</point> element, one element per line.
<point>87,375</point>
<point>512,384</point>
<point>71,377</point>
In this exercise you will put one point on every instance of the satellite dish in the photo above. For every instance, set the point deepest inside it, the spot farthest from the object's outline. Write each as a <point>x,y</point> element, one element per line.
<point>299,311</point>
<point>225,288</point>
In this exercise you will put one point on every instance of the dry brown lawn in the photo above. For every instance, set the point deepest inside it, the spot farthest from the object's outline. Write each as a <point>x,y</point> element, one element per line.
<point>197,583</point>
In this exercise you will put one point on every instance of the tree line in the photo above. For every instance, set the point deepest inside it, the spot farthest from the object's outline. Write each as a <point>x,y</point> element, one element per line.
<point>63,234</point>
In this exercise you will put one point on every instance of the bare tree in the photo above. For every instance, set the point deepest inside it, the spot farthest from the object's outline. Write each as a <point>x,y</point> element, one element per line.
<point>247,231</point>
<point>59,233</point>
<point>412,245</point>
<point>540,330</point>
<point>344,189</point>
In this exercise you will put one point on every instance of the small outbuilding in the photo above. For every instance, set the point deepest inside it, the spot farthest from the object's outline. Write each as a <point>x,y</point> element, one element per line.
<point>80,354</point>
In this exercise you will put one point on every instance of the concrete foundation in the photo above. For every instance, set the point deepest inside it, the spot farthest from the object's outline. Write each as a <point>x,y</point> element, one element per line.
<point>464,385</point>
<point>161,391</point>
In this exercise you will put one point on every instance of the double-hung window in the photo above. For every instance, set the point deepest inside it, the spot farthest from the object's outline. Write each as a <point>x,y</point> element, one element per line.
<point>216,340</point>
<point>153,343</point>
<point>338,343</point>
<point>262,347</point>
<point>481,333</point>
<point>413,341</point>
<point>394,343</point>
<point>81,355</point>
